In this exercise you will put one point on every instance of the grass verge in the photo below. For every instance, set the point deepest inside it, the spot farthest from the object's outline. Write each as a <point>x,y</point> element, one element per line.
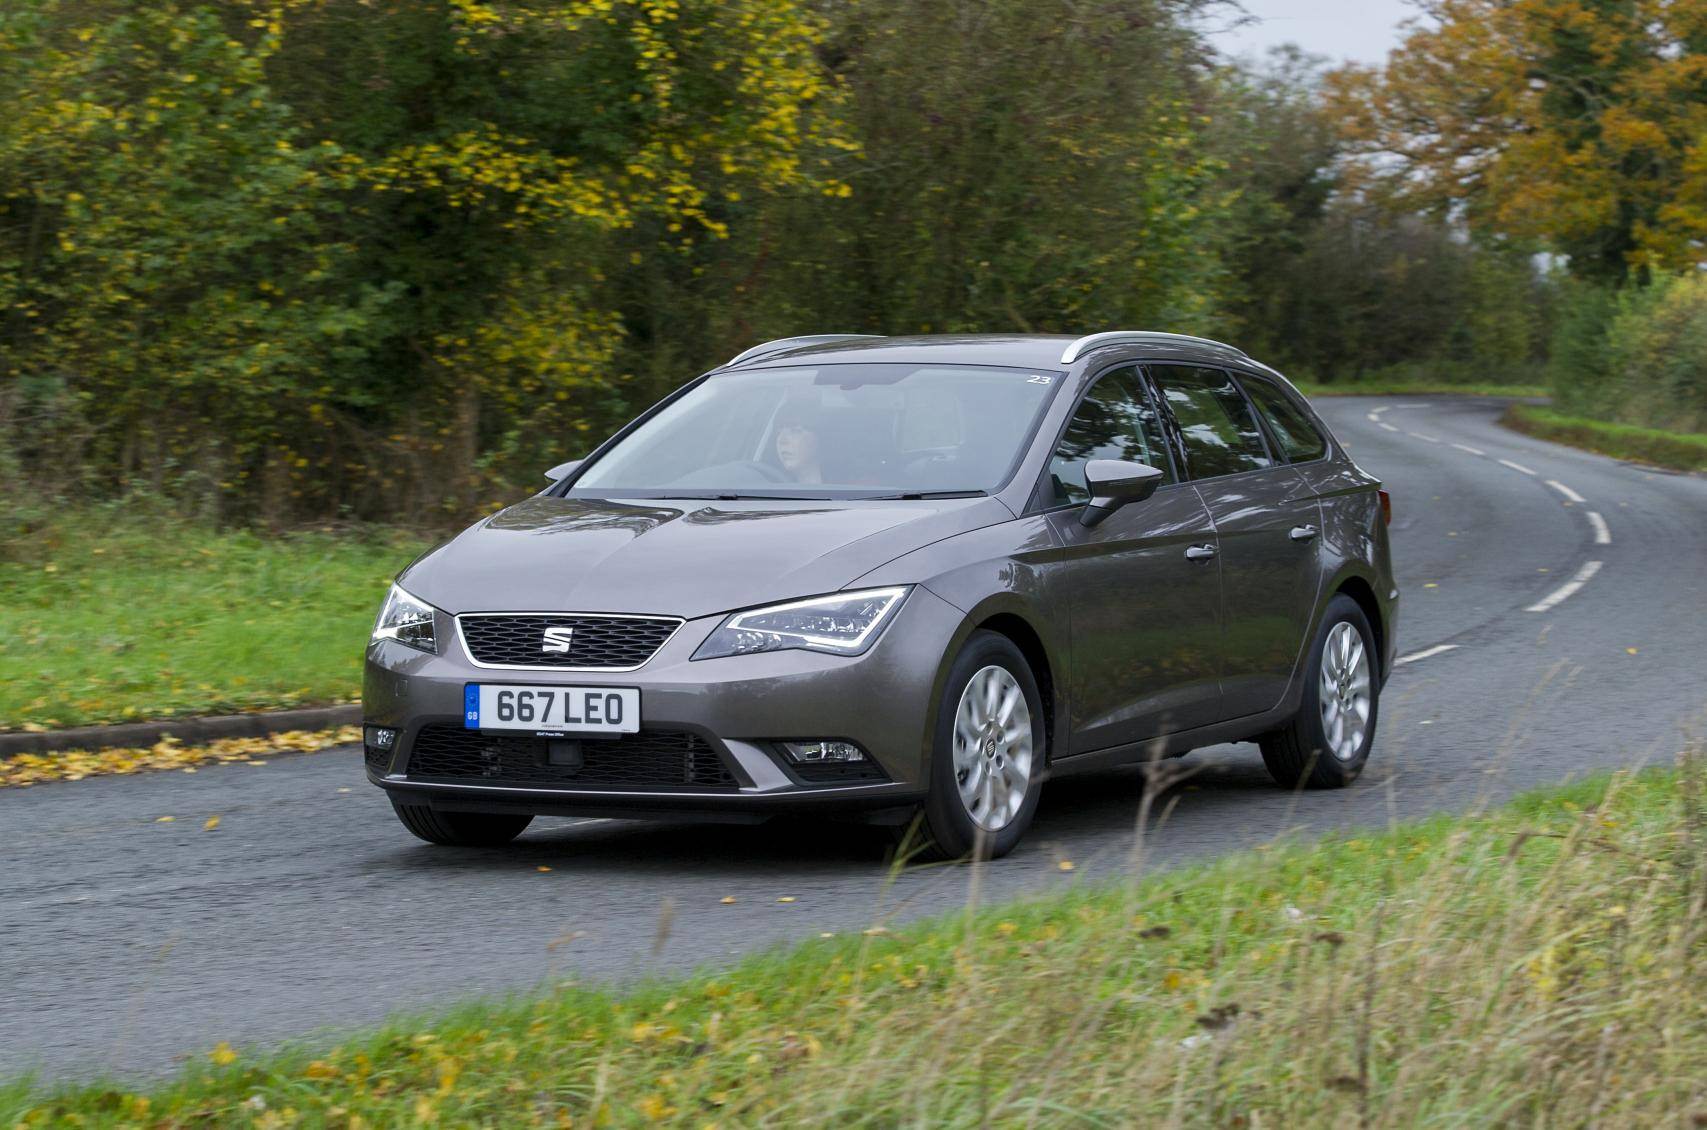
<point>1540,965</point>
<point>1680,451</point>
<point>113,617</point>
<point>1414,387</point>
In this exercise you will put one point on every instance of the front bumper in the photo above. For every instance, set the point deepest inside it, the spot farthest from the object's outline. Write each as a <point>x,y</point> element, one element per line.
<point>741,706</point>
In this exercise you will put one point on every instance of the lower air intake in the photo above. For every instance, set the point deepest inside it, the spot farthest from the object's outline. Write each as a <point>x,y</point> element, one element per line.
<point>648,760</point>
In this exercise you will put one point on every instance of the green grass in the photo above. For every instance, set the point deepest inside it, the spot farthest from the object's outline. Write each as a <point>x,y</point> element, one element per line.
<point>1539,965</point>
<point>113,616</point>
<point>1417,387</point>
<point>1681,451</point>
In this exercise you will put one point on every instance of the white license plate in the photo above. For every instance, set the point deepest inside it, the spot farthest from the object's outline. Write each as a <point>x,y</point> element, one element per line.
<point>564,710</point>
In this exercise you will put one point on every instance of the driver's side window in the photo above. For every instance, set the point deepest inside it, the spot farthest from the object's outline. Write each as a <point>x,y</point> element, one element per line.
<point>1115,421</point>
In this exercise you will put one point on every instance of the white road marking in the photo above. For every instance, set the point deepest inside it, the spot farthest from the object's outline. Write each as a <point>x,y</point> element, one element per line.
<point>1425,653</point>
<point>1516,466</point>
<point>1471,450</point>
<point>1566,590</point>
<point>1565,490</point>
<point>1390,427</point>
<point>1378,411</point>
<point>1374,417</point>
<point>1602,535</point>
<point>1419,435</point>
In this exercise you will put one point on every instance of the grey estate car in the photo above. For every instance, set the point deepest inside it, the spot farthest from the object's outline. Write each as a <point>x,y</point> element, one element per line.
<point>896,577</point>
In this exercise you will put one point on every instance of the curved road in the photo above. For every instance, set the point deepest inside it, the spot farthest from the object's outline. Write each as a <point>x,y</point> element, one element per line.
<point>129,943</point>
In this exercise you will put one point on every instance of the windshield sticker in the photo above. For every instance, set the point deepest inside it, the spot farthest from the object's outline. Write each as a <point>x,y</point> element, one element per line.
<point>1039,379</point>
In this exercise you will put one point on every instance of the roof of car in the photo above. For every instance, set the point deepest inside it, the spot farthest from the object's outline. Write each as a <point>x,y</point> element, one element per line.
<point>1030,351</point>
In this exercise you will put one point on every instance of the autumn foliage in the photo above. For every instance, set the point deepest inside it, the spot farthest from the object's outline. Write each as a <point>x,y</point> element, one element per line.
<point>1575,126</point>
<point>276,261</point>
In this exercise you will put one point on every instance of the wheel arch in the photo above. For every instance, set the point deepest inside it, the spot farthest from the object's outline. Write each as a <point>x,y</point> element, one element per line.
<point>1025,637</point>
<point>1360,590</point>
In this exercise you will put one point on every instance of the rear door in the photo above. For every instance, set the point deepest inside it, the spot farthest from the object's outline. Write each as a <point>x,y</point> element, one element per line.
<point>1145,624</point>
<point>1268,524</point>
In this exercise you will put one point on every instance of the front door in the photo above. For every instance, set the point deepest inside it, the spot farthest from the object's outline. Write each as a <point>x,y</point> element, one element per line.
<point>1145,617</point>
<point>1267,518</point>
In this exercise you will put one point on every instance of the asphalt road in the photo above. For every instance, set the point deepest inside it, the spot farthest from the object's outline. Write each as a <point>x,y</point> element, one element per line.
<point>128,943</point>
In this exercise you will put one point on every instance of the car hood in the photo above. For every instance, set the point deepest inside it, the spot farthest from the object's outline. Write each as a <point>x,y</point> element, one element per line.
<point>677,557</point>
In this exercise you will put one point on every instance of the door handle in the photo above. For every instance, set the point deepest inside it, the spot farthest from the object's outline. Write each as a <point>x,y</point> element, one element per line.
<point>1199,552</point>
<point>1303,533</point>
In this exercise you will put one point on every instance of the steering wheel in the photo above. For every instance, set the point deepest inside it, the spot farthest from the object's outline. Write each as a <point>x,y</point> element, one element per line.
<point>931,460</point>
<point>766,471</point>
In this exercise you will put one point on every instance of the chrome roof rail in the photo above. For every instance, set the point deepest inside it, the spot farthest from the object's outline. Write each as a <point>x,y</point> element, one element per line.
<point>1081,346</point>
<point>783,343</point>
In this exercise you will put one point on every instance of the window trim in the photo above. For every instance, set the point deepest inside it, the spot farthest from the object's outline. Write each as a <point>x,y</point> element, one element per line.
<point>1304,409</point>
<point>1179,434</point>
<point>1041,501</point>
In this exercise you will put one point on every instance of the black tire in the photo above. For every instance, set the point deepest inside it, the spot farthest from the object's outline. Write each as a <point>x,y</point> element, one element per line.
<point>461,829</point>
<point>1299,756</point>
<point>946,830</point>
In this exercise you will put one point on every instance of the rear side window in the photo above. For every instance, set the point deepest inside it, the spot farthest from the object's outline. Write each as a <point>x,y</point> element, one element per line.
<point>1296,433</point>
<point>1220,435</point>
<point>1115,421</point>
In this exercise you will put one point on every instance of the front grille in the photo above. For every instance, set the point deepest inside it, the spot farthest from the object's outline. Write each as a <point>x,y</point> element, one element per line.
<point>650,759</point>
<point>596,642</point>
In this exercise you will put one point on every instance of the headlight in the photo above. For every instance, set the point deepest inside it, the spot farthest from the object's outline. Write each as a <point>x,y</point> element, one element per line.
<point>406,620</point>
<point>844,624</point>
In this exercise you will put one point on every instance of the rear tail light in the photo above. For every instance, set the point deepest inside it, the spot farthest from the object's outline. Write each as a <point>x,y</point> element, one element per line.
<point>1386,508</point>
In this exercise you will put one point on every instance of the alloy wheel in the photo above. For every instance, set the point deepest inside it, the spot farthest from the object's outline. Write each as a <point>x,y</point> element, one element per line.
<point>1345,691</point>
<point>993,747</point>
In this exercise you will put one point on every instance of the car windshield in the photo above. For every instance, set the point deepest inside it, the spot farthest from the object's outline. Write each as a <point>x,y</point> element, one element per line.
<point>829,431</point>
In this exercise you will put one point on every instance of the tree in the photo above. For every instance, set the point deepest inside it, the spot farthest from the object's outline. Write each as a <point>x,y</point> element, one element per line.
<point>324,252</point>
<point>1578,125</point>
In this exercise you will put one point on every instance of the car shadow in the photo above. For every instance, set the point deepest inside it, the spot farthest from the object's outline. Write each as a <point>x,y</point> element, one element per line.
<point>1080,814</point>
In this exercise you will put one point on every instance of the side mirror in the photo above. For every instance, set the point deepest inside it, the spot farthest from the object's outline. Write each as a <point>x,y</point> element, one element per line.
<point>1115,483</point>
<point>563,470</point>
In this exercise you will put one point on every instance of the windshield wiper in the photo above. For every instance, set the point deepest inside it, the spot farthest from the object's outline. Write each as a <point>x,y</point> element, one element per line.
<point>730,496</point>
<point>919,495</point>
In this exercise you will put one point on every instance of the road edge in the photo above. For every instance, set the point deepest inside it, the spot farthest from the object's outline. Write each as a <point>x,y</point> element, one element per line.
<point>191,731</point>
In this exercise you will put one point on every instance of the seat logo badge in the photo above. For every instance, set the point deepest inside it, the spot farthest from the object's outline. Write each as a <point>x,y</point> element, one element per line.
<point>557,640</point>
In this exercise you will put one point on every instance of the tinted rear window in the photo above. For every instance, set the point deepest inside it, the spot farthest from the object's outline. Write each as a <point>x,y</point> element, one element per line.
<point>1220,434</point>
<point>1297,433</point>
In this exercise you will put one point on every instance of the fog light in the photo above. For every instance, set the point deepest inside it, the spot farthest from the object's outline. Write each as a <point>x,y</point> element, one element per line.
<point>817,753</point>
<point>381,738</point>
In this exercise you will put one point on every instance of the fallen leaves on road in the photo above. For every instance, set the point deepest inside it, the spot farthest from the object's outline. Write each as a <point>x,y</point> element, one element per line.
<point>168,753</point>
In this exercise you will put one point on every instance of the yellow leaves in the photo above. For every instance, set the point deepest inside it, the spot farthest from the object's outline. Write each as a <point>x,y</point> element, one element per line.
<point>222,1055</point>
<point>168,753</point>
<point>655,1108</point>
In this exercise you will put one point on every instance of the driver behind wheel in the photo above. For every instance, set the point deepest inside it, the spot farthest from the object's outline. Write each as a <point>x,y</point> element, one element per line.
<point>797,446</point>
